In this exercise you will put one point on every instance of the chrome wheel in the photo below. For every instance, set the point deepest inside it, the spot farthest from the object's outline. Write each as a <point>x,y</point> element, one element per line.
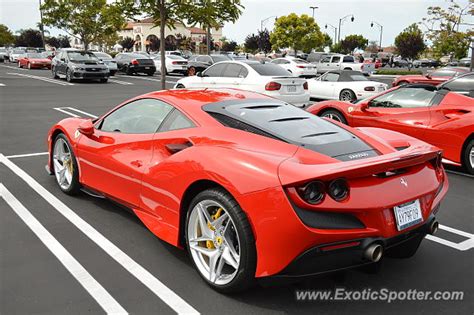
<point>214,242</point>
<point>346,96</point>
<point>471,157</point>
<point>332,116</point>
<point>63,164</point>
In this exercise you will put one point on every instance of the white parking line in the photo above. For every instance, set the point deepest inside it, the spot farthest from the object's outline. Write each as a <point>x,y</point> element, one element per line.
<point>156,286</point>
<point>144,78</point>
<point>464,245</point>
<point>80,111</point>
<point>66,112</point>
<point>41,78</point>
<point>11,67</point>
<point>26,155</point>
<point>1,84</point>
<point>94,288</point>
<point>120,82</point>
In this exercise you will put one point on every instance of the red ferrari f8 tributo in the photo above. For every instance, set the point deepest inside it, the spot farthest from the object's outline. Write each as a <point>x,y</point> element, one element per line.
<point>254,187</point>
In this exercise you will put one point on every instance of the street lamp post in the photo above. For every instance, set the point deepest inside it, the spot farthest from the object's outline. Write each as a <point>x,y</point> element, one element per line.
<point>340,23</point>
<point>313,8</point>
<point>264,20</point>
<point>41,24</point>
<point>335,31</point>
<point>381,32</point>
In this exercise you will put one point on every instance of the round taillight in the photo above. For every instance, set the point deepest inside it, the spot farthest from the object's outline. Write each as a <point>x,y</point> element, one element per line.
<point>339,189</point>
<point>312,193</point>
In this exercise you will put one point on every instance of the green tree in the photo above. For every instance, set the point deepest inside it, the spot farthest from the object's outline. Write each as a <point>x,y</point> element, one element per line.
<point>127,43</point>
<point>229,45</point>
<point>212,14</point>
<point>90,20</point>
<point>443,29</point>
<point>61,41</point>
<point>6,36</point>
<point>327,42</point>
<point>29,38</point>
<point>410,43</point>
<point>296,32</point>
<point>251,43</point>
<point>264,43</point>
<point>352,42</point>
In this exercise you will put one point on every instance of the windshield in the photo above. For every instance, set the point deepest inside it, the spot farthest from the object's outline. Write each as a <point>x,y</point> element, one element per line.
<point>34,55</point>
<point>300,61</point>
<point>269,69</point>
<point>103,55</point>
<point>405,98</point>
<point>18,51</point>
<point>81,56</point>
<point>175,57</point>
<point>218,58</point>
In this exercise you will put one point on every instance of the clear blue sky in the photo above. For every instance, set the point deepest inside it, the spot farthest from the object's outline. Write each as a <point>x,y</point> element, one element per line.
<point>394,15</point>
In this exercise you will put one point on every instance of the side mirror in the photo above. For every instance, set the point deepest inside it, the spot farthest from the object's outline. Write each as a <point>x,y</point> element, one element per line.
<point>199,74</point>
<point>364,106</point>
<point>86,128</point>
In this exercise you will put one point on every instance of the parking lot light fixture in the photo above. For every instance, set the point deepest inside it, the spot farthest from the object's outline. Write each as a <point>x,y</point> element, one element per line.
<point>264,20</point>
<point>381,31</point>
<point>335,30</point>
<point>313,8</point>
<point>341,20</point>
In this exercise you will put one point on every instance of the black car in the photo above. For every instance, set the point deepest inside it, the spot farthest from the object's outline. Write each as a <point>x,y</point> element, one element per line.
<point>463,84</point>
<point>78,65</point>
<point>200,63</point>
<point>132,63</point>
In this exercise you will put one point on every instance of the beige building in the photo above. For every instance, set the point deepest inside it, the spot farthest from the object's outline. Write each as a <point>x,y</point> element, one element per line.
<point>146,34</point>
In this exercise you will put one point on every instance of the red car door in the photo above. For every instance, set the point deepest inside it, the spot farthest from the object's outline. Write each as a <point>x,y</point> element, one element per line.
<point>113,159</point>
<point>406,110</point>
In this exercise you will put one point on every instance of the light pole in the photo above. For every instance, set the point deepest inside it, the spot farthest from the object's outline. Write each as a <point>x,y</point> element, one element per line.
<point>264,20</point>
<point>41,24</point>
<point>313,8</point>
<point>381,31</point>
<point>340,23</point>
<point>335,31</point>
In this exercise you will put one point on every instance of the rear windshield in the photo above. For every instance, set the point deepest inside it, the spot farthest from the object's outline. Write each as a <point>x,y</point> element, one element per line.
<point>34,55</point>
<point>300,61</point>
<point>269,69</point>
<point>358,77</point>
<point>176,57</point>
<point>218,58</point>
<point>103,55</point>
<point>283,121</point>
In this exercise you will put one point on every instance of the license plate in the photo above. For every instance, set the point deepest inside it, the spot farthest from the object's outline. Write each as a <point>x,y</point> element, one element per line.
<point>291,88</point>
<point>408,214</point>
<point>146,68</point>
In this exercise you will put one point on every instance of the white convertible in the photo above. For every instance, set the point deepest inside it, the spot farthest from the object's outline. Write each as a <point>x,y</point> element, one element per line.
<point>265,78</point>
<point>344,85</point>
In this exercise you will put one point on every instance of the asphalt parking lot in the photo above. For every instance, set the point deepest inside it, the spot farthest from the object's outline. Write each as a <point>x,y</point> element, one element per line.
<point>109,249</point>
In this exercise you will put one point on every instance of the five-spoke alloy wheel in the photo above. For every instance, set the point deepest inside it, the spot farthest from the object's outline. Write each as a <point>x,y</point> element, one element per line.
<point>64,166</point>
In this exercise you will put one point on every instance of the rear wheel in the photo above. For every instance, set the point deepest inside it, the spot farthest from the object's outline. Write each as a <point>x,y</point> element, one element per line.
<point>150,73</point>
<point>347,96</point>
<point>220,241</point>
<point>180,86</point>
<point>334,115</point>
<point>65,166</point>
<point>468,157</point>
<point>104,80</point>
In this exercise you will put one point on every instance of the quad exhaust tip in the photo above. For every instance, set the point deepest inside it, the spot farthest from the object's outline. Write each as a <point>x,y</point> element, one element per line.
<point>434,226</point>
<point>374,252</point>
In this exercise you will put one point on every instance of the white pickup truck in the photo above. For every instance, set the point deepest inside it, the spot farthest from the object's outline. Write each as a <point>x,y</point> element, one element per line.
<point>343,62</point>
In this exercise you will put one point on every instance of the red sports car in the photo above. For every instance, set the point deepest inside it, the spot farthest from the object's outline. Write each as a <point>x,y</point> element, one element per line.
<point>442,118</point>
<point>433,78</point>
<point>34,61</point>
<point>252,186</point>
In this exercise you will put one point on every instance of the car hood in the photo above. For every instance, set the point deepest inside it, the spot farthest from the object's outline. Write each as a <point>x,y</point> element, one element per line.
<point>40,60</point>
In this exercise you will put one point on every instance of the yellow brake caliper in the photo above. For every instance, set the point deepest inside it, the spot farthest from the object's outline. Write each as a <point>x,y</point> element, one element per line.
<point>210,244</point>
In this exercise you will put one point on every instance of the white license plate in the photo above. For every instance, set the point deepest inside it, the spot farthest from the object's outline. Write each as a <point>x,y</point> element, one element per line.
<point>146,68</point>
<point>291,88</point>
<point>408,214</point>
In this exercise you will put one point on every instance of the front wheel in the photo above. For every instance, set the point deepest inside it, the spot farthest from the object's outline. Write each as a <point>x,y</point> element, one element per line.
<point>180,86</point>
<point>334,115</point>
<point>68,75</point>
<point>347,96</point>
<point>220,241</point>
<point>54,72</point>
<point>468,157</point>
<point>65,166</point>
<point>103,80</point>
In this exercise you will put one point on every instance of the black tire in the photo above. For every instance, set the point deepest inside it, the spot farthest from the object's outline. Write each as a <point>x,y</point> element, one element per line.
<point>335,115</point>
<point>128,71</point>
<point>54,73</point>
<point>104,80</point>
<point>180,86</point>
<point>466,155</point>
<point>150,73</point>
<point>112,73</point>
<point>347,95</point>
<point>75,187</point>
<point>69,75</point>
<point>245,276</point>
<point>406,249</point>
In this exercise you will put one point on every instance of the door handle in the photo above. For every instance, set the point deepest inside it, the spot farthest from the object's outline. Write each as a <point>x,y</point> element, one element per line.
<point>176,147</point>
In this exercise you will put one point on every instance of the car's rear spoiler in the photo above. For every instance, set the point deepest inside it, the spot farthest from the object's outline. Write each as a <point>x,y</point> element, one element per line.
<point>293,171</point>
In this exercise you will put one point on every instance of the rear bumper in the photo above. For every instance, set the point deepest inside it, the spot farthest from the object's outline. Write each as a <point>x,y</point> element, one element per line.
<point>143,69</point>
<point>348,254</point>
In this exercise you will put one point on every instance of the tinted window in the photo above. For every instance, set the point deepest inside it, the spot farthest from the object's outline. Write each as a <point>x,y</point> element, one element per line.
<point>404,98</point>
<point>269,69</point>
<point>300,61</point>
<point>141,116</point>
<point>235,71</point>
<point>326,59</point>
<point>330,77</point>
<point>466,83</point>
<point>218,58</point>
<point>348,59</point>
<point>34,55</point>
<point>215,70</point>
<point>443,73</point>
<point>203,59</point>
<point>335,59</point>
<point>103,55</point>
<point>358,77</point>
<point>81,56</point>
<point>176,120</point>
